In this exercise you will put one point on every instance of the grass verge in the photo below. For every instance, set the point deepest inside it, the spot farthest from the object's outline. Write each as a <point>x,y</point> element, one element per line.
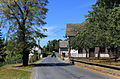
<point>17,71</point>
<point>106,61</point>
<point>6,73</point>
<point>105,71</point>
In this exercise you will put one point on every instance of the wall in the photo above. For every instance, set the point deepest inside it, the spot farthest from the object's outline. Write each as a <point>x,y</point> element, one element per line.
<point>74,53</point>
<point>63,50</point>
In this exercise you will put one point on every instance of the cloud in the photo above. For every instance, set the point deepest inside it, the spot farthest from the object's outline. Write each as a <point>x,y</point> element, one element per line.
<point>53,32</point>
<point>50,29</point>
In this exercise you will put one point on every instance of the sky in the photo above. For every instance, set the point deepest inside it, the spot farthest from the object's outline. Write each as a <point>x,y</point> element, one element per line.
<point>61,12</point>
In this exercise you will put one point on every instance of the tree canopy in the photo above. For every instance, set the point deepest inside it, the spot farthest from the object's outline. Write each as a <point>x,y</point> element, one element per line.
<point>52,45</point>
<point>102,26</point>
<point>24,19</point>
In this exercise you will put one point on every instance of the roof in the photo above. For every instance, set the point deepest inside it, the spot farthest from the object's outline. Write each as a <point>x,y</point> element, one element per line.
<point>63,44</point>
<point>71,27</point>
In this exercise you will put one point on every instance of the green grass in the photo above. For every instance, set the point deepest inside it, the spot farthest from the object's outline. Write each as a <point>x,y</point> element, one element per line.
<point>13,74</point>
<point>6,73</point>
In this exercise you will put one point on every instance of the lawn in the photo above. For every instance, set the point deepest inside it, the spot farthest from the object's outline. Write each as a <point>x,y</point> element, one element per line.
<point>16,71</point>
<point>6,73</point>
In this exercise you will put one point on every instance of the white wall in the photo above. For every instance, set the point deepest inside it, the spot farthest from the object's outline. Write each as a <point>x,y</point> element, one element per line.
<point>102,55</point>
<point>74,53</point>
<point>66,52</point>
<point>83,55</point>
<point>30,55</point>
<point>35,49</point>
<point>63,51</point>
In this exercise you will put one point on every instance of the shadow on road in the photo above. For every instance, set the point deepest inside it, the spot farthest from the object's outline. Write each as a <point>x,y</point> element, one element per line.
<point>50,64</point>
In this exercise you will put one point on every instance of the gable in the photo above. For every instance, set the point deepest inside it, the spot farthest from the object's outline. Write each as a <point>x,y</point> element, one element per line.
<point>71,28</point>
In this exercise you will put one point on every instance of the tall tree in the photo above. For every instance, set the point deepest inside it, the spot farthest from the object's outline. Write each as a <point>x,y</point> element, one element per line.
<point>2,54</point>
<point>105,17</point>
<point>1,42</point>
<point>102,26</point>
<point>24,18</point>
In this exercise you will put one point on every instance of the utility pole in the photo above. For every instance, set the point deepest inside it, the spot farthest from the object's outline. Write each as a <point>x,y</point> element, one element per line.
<point>38,49</point>
<point>49,46</point>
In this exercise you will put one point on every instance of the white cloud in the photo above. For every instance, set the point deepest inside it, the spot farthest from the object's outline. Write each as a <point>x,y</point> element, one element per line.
<point>50,29</point>
<point>53,32</point>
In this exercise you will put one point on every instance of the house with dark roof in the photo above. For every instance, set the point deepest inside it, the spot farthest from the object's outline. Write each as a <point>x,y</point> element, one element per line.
<point>71,30</point>
<point>63,48</point>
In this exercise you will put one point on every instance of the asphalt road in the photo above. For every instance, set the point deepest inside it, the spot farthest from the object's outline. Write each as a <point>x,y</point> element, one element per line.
<point>53,68</point>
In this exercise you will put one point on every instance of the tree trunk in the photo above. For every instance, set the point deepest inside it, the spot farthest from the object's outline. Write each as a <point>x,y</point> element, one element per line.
<point>92,52</point>
<point>109,52</point>
<point>22,38</point>
<point>99,54</point>
<point>86,53</point>
<point>116,54</point>
<point>114,51</point>
<point>25,58</point>
<point>69,52</point>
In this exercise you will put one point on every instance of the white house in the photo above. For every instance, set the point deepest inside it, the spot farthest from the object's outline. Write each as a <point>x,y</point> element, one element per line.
<point>38,49</point>
<point>63,48</point>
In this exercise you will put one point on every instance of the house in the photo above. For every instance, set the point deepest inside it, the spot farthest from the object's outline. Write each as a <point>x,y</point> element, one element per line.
<point>63,48</point>
<point>71,30</point>
<point>38,49</point>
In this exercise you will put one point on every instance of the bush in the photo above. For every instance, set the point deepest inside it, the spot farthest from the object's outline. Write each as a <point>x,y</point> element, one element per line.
<point>13,57</point>
<point>46,53</point>
<point>34,57</point>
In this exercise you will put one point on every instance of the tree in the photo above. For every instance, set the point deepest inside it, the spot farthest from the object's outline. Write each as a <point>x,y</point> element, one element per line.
<point>84,39</point>
<point>53,45</point>
<point>114,20</point>
<point>1,41</point>
<point>12,50</point>
<point>101,26</point>
<point>2,54</point>
<point>105,16</point>
<point>99,19</point>
<point>24,18</point>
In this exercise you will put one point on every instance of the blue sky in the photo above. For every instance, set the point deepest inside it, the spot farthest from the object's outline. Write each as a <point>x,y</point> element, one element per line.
<point>62,12</point>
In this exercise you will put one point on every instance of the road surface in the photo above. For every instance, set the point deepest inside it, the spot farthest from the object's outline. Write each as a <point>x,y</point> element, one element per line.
<point>53,68</point>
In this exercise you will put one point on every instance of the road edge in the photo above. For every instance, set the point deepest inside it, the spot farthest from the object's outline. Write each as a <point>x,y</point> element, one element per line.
<point>95,69</point>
